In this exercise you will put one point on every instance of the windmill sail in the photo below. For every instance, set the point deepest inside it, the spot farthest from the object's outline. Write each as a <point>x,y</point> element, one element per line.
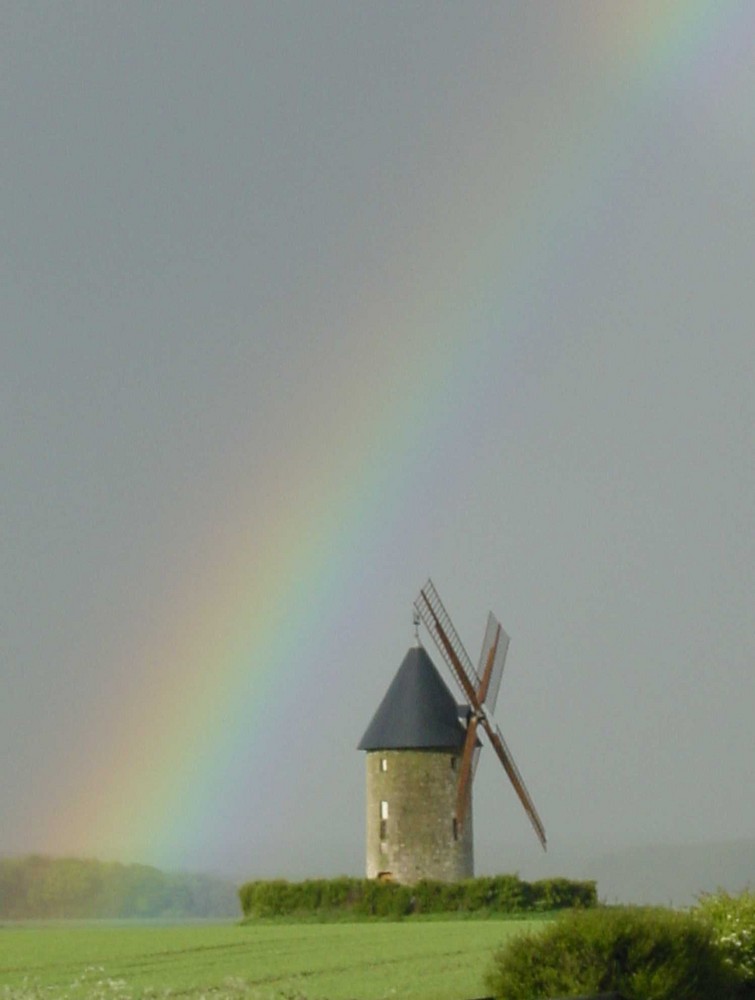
<point>495,645</point>
<point>504,754</point>
<point>466,770</point>
<point>438,623</point>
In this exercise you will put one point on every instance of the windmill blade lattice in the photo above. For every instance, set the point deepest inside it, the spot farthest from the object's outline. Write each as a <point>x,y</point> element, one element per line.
<point>504,754</point>
<point>438,623</point>
<point>495,644</point>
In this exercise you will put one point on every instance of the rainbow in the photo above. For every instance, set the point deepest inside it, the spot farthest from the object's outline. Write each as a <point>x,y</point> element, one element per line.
<point>203,687</point>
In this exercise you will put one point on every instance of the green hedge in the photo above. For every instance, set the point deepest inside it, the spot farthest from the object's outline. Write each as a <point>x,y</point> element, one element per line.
<point>640,954</point>
<point>504,894</point>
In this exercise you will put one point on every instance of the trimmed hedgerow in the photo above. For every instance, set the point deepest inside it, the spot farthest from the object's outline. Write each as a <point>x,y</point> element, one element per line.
<point>502,894</point>
<point>641,954</point>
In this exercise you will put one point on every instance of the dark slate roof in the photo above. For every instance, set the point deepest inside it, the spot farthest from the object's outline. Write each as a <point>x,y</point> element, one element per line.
<point>417,712</point>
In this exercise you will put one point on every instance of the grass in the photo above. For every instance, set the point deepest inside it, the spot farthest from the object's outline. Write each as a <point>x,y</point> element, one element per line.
<point>417,959</point>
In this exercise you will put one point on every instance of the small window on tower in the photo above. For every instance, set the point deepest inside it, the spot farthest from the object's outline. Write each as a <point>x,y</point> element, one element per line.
<point>455,828</point>
<point>383,763</point>
<point>383,820</point>
<point>453,763</point>
<point>384,809</point>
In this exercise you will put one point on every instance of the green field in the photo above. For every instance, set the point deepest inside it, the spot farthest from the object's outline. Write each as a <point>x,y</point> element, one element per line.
<point>424,960</point>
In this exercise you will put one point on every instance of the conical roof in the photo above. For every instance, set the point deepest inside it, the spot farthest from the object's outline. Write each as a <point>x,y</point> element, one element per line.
<point>417,712</point>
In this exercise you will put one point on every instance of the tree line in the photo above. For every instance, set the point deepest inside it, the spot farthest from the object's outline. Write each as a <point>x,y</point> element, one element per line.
<point>43,887</point>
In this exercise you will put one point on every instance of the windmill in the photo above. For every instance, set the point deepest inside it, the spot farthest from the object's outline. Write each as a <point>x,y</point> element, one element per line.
<point>422,750</point>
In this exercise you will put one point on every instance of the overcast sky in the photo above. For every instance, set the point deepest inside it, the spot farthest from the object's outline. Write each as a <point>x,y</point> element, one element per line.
<point>302,303</point>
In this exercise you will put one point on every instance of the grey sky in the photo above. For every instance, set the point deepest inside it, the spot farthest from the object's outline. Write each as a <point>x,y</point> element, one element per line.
<point>216,219</point>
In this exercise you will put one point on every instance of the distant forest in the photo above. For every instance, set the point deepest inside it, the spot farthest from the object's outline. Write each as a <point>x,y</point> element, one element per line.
<point>42,887</point>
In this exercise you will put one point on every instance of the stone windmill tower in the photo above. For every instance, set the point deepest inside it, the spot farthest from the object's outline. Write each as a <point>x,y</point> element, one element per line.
<point>414,746</point>
<point>422,750</point>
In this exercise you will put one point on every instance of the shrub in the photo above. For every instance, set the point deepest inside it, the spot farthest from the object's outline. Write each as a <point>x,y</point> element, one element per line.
<point>508,894</point>
<point>384,899</point>
<point>477,894</point>
<point>337,893</point>
<point>732,920</point>
<point>266,899</point>
<point>562,893</point>
<point>641,954</point>
<point>428,897</point>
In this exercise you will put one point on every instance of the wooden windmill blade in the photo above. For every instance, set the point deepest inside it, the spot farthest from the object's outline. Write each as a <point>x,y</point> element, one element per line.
<point>495,646</point>
<point>504,755</point>
<point>438,623</point>
<point>466,770</point>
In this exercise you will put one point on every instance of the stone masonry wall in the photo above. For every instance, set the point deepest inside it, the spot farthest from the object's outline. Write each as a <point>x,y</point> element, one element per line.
<point>411,800</point>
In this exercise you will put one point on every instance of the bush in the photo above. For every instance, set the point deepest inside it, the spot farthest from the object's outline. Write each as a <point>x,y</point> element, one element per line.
<point>384,899</point>
<point>428,897</point>
<point>732,920</point>
<point>640,954</point>
<point>267,899</point>
<point>508,894</point>
<point>562,893</point>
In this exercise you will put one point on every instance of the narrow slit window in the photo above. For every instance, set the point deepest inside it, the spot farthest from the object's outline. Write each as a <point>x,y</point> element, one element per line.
<point>383,763</point>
